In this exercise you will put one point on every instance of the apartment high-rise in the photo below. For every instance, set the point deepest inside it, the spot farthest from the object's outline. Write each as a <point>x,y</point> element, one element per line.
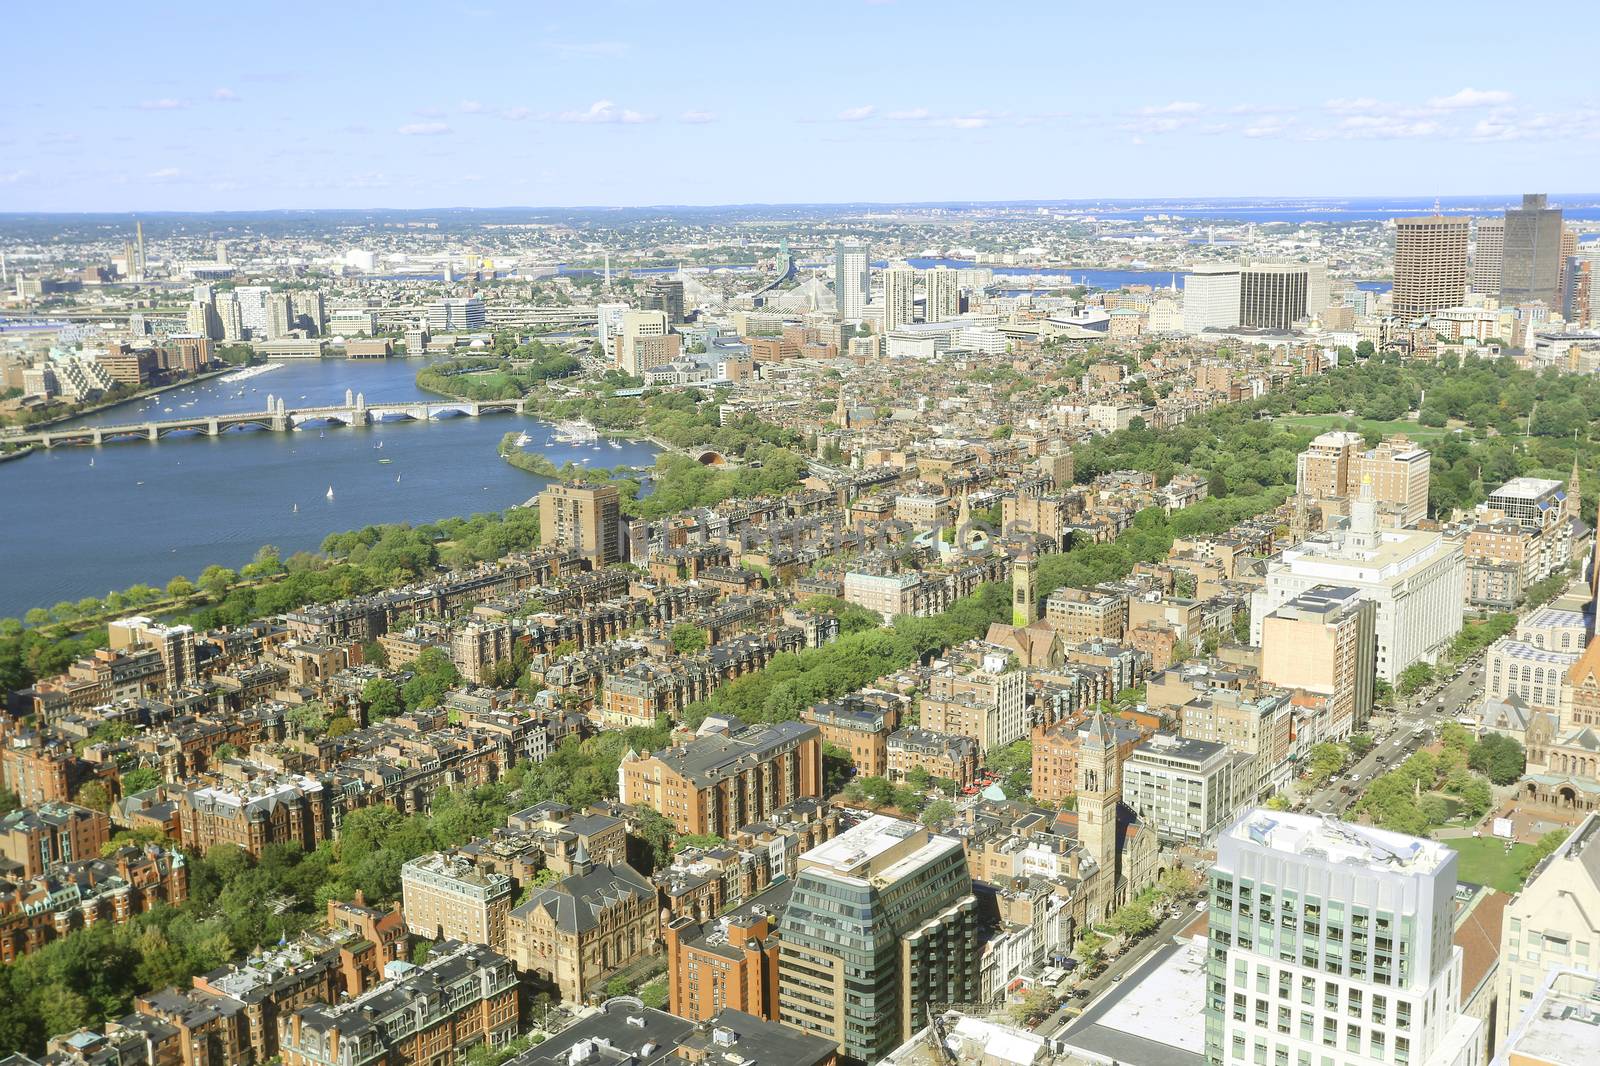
<point>1532,269</point>
<point>880,926</point>
<point>899,298</point>
<point>942,300</point>
<point>253,309</point>
<point>1430,264</point>
<point>1488,255</point>
<point>280,315</point>
<point>1334,467</point>
<point>1553,921</point>
<point>585,518</point>
<point>1211,297</point>
<point>1323,471</point>
<point>1399,472</point>
<point>852,280</point>
<point>1569,253</point>
<point>646,341</point>
<point>1333,943</point>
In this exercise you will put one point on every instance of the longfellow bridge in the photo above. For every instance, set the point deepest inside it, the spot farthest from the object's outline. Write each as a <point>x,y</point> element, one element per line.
<point>278,417</point>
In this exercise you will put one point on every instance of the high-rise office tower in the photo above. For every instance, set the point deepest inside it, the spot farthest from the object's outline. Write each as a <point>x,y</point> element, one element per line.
<point>1577,298</point>
<point>1569,252</point>
<point>1275,295</point>
<point>1488,255</point>
<point>852,280</point>
<point>665,294</point>
<point>1333,943</point>
<point>1430,264</point>
<point>138,241</point>
<point>457,313</point>
<point>1532,269</point>
<point>1211,297</point>
<point>943,298</point>
<point>899,298</point>
<point>879,927</point>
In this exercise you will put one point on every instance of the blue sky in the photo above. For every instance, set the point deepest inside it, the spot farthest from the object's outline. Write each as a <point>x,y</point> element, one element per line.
<point>491,103</point>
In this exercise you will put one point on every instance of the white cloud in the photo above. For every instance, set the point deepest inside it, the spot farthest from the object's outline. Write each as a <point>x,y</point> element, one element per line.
<point>423,129</point>
<point>1176,107</point>
<point>471,107</point>
<point>1387,128</point>
<point>516,114</point>
<point>964,122</point>
<point>166,103</point>
<point>1471,98</point>
<point>857,114</point>
<point>224,96</point>
<point>910,115</point>
<point>1359,103</point>
<point>697,117</point>
<point>12,177</point>
<point>165,174</point>
<point>603,112</point>
<point>429,112</point>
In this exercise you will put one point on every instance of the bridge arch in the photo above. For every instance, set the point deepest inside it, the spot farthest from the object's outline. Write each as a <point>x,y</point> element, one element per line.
<point>711,457</point>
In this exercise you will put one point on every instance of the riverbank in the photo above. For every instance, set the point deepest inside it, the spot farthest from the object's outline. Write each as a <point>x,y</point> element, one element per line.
<point>132,397</point>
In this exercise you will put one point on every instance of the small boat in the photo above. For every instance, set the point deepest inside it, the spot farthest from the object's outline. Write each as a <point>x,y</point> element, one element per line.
<point>397,479</point>
<point>330,492</point>
<point>385,460</point>
<point>138,483</point>
<point>91,462</point>
<point>615,445</point>
<point>295,509</point>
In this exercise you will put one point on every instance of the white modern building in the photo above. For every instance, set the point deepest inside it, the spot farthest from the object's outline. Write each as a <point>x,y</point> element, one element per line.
<point>457,314</point>
<point>253,309</point>
<point>852,280</point>
<point>1332,944</point>
<point>1415,577</point>
<point>1211,298</point>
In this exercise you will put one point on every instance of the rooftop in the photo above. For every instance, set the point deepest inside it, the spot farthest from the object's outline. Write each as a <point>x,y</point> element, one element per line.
<point>1334,841</point>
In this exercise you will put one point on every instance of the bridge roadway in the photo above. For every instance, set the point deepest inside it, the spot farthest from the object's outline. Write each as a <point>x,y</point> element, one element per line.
<point>278,417</point>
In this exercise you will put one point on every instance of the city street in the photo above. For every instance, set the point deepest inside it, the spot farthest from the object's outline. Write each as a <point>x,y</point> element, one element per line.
<point>1122,965</point>
<point>1400,734</point>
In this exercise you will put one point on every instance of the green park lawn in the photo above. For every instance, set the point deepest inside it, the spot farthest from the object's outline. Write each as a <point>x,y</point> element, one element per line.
<point>1484,861</point>
<point>1321,423</point>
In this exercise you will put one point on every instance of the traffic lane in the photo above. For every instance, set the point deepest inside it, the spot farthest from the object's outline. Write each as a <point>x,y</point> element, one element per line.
<point>1119,966</point>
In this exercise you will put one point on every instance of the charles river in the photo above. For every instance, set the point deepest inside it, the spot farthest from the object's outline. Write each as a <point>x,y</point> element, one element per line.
<point>83,521</point>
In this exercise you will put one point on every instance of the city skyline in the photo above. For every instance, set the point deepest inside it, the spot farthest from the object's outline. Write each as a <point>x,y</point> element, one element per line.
<point>560,109</point>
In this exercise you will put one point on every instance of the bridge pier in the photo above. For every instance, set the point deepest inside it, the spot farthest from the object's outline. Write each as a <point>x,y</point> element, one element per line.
<point>212,428</point>
<point>155,431</point>
<point>97,438</point>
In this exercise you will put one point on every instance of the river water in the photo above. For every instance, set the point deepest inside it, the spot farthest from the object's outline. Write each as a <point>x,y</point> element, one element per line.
<point>84,521</point>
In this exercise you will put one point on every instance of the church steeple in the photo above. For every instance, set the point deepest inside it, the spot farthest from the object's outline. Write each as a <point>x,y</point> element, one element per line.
<point>1574,491</point>
<point>1099,793</point>
<point>1025,594</point>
